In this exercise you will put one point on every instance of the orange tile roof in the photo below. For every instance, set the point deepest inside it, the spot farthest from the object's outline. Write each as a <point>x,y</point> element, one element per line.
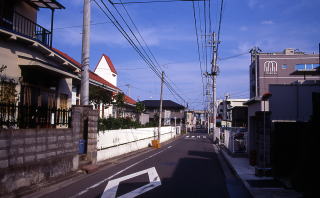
<point>66,56</point>
<point>112,68</point>
<point>96,77</point>
<point>129,100</point>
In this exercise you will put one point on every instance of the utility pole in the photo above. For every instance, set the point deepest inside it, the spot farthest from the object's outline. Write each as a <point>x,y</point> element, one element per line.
<point>214,71</point>
<point>84,92</point>
<point>208,100</point>
<point>254,56</point>
<point>160,114</point>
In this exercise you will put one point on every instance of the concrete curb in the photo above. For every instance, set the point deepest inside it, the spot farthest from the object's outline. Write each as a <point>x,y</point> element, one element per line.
<point>247,186</point>
<point>245,183</point>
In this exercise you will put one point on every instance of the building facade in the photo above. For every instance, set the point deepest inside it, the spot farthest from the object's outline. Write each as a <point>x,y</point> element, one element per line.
<point>172,112</point>
<point>273,70</point>
<point>279,68</point>
<point>232,112</point>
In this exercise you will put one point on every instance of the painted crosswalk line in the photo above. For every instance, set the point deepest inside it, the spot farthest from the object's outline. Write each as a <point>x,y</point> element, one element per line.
<point>196,137</point>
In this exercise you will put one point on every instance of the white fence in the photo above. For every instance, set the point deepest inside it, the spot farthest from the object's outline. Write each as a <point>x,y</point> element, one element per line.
<point>234,140</point>
<point>113,143</point>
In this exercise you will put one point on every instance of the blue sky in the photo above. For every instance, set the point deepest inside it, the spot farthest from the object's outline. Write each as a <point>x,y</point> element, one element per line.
<point>168,29</point>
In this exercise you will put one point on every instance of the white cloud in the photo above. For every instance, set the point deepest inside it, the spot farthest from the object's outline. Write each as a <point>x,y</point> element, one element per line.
<point>267,22</point>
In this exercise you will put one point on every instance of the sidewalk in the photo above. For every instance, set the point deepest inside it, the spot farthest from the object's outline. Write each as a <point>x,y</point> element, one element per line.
<point>257,186</point>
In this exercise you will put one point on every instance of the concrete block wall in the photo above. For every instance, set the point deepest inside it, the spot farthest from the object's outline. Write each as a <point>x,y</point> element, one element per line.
<point>93,116</point>
<point>85,121</point>
<point>29,156</point>
<point>113,143</point>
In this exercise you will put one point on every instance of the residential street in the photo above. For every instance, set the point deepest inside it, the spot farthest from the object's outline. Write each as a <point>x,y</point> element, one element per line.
<point>187,167</point>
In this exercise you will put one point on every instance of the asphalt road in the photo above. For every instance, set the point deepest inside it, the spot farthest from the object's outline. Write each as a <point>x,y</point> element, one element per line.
<point>187,167</point>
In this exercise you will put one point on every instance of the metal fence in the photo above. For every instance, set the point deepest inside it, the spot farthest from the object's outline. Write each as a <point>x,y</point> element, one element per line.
<point>19,116</point>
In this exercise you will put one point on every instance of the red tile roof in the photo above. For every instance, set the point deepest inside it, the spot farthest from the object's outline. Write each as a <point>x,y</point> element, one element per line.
<point>96,77</point>
<point>129,100</point>
<point>112,68</point>
<point>92,75</point>
<point>66,56</point>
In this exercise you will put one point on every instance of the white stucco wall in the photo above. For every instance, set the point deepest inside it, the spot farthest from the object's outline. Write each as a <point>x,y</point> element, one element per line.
<point>117,142</point>
<point>103,70</point>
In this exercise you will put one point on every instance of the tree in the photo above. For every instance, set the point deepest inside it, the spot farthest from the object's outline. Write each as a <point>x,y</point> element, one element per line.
<point>119,102</point>
<point>98,95</point>
<point>8,92</point>
<point>140,108</point>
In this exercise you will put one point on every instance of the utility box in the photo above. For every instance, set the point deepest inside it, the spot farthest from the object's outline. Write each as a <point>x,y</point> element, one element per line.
<point>82,146</point>
<point>155,143</point>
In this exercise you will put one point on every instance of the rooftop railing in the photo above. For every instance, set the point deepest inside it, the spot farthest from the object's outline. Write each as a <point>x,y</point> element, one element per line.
<point>22,25</point>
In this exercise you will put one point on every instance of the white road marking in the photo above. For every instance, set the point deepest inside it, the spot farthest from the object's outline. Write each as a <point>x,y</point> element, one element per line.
<point>169,146</point>
<point>111,189</point>
<point>204,136</point>
<point>187,136</point>
<point>192,136</point>
<point>117,173</point>
<point>198,136</point>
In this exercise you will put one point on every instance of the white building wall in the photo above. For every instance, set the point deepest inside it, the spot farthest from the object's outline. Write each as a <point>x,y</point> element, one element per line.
<point>103,70</point>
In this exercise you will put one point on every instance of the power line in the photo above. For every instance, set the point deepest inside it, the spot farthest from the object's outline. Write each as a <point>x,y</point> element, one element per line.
<point>80,26</point>
<point>145,43</point>
<point>145,57</point>
<point>234,56</point>
<point>154,1</point>
<point>219,28</point>
<point>168,84</point>
<point>198,47</point>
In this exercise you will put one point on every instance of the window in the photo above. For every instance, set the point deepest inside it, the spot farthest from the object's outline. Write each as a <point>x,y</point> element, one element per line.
<point>284,66</point>
<point>300,66</point>
<point>306,66</point>
<point>309,66</point>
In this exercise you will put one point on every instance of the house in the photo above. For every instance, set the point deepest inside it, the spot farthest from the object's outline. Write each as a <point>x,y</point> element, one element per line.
<point>172,111</point>
<point>232,112</point>
<point>270,74</point>
<point>36,85</point>
<point>44,77</point>
<point>106,70</point>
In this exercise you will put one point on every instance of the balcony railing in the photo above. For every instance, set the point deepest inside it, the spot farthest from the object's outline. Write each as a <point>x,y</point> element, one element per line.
<point>19,116</point>
<point>26,27</point>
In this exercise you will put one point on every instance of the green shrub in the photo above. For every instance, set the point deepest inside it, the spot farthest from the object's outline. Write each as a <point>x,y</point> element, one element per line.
<point>122,123</point>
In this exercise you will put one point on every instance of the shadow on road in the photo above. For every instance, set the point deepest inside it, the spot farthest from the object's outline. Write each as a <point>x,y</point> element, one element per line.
<point>193,177</point>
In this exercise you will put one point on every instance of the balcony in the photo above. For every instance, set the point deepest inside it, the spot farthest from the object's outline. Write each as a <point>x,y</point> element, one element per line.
<point>23,26</point>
